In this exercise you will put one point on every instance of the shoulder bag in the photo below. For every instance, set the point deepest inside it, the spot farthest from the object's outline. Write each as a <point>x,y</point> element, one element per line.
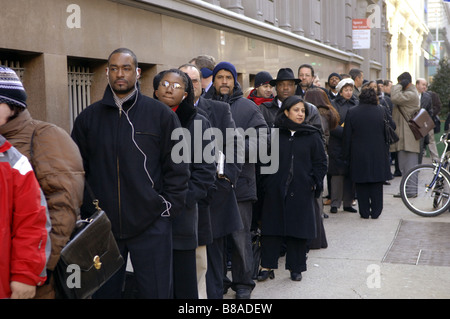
<point>420,123</point>
<point>90,258</point>
<point>389,133</point>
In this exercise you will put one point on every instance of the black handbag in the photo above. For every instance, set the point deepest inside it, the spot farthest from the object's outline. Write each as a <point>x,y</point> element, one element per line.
<point>89,259</point>
<point>389,133</point>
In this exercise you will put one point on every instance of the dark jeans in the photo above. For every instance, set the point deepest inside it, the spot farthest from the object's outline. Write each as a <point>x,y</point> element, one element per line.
<point>151,258</point>
<point>370,199</point>
<point>241,252</point>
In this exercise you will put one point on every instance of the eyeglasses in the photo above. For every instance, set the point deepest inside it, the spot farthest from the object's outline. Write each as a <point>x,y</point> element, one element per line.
<point>175,85</point>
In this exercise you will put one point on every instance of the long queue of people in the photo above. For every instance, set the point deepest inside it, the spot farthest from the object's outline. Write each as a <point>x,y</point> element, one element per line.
<point>183,221</point>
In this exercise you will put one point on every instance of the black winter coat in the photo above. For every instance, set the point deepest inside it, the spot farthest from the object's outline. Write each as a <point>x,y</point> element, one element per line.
<point>288,208</point>
<point>114,165</point>
<point>185,227</point>
<point>364,145</point>
<point>219,214</point>
<point>337,164</point>
<point>246,114</point>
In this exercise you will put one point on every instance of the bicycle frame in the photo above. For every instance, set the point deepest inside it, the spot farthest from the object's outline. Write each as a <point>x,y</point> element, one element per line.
<point>443,162</point>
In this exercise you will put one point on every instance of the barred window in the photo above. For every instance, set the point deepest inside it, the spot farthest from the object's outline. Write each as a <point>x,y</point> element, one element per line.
<point>80,80</point>
<point>14,65</point>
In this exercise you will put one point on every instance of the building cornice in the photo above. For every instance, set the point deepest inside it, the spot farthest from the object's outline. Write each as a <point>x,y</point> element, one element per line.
<point>204,13</point>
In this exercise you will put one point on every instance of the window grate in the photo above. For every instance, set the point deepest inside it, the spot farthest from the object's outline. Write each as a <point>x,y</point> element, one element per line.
<point>80,80</point>
<point>14,65</point>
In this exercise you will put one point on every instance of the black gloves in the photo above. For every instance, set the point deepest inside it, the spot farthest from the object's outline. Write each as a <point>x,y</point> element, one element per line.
<point>404,83</point>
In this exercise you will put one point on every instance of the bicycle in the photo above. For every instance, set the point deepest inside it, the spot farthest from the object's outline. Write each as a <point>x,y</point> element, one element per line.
<point>425,189</point>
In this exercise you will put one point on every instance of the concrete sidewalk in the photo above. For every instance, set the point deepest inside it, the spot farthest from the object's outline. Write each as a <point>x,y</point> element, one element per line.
<point>352,266</point>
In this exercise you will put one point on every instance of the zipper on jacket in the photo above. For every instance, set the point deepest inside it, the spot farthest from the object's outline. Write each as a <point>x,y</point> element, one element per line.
<point>118,181</point>
<point>118,197</point>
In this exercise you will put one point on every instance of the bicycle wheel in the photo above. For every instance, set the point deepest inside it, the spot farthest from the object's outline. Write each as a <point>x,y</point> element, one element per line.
<point>424,193</point>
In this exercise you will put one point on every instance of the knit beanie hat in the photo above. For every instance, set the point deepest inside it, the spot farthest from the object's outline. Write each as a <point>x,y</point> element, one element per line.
<point>11,89</point>
<point>262,78</point>
<point>225,66</point>
<point>334,74</point>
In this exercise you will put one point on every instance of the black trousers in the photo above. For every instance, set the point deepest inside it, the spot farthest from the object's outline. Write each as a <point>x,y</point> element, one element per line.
<point>184,274</point>
<point>241,252</point>
<point>296,249</point>
<point>214,274</point>
<point>151,258</point>
<point>370,199</point>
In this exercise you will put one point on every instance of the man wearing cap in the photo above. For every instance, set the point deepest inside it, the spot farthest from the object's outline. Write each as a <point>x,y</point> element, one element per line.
<point>218,214</point>
<point>285,84</point>
<point>263,90</point>
<point>57,165</point>
<point>205,63</point>
<point>246,114</point>
<point>333,80</point>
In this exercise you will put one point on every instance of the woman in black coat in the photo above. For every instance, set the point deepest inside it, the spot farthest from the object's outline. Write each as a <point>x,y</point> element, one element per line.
<point>367,152</point>
<point>174,88</point>
<point>288,208</point>
<point>342,190</point>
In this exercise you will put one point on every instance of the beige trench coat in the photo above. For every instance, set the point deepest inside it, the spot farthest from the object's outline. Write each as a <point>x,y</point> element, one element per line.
<point>408,101</point>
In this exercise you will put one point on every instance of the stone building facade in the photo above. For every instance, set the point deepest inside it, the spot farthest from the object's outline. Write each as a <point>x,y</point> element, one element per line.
<point>60,47</point>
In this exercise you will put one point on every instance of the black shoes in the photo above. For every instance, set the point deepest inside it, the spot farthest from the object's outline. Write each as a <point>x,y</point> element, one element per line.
<point>264,274</point>
<point>350,210</point>
<point>333,210</point>
<point>296,276</point>
<point>243,293</point>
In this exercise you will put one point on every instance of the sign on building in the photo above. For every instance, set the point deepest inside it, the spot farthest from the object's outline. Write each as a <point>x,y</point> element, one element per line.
<point>361,33</point>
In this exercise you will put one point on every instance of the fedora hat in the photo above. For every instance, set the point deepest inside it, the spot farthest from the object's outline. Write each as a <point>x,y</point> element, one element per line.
<point>285,74</point>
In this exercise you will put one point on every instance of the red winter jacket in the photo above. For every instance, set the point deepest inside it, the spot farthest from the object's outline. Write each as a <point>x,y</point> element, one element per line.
<point>23,232</point>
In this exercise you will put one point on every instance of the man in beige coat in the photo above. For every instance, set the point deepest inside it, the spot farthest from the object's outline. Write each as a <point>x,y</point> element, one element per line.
<point>406,101</point>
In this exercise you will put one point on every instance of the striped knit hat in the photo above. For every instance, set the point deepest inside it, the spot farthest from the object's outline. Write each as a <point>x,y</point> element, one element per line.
<point>11,89</point>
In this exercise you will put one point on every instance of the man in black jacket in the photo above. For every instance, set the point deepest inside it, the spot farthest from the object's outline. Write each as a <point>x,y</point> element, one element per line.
<point>284,84</point>
<point>306,77</point>
<point>426,102</point>
<point>219,215</point>
<point>248,118</point>
<point>125,142</point>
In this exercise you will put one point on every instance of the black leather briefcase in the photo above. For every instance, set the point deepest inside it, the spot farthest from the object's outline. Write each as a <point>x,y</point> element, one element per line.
<point>88,260</point>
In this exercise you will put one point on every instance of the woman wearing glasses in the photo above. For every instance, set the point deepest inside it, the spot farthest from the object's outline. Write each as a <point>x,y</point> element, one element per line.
<point>174,88</point>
